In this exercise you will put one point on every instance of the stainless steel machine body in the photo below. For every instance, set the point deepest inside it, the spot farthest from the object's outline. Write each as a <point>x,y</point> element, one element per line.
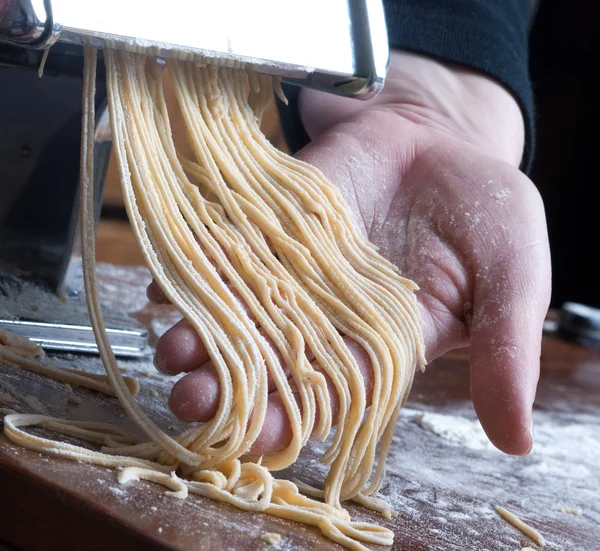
<point>338,46</point>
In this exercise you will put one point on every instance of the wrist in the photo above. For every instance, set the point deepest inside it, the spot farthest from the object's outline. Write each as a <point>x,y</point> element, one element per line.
<point>461,101</point>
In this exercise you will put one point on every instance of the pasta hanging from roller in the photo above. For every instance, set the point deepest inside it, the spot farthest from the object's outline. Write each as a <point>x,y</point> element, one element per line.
<point>238,218</point>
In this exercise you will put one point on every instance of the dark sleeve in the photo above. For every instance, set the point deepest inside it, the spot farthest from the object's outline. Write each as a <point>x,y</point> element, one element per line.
<point>490,36</point>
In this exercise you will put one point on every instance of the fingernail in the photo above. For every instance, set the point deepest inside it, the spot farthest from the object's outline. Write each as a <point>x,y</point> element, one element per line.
<point>159,363</point>
<point>149,293</point>
<point>530,435</point>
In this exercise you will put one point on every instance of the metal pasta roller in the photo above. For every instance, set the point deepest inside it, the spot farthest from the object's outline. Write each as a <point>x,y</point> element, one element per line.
<point>338,46</point>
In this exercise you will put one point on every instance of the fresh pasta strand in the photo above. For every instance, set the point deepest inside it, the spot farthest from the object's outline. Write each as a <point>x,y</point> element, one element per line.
<point>239,218</point>
<point>520,525</point>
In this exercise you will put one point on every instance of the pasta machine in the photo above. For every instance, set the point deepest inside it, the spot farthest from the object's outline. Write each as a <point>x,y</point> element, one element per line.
<point>339,46</point>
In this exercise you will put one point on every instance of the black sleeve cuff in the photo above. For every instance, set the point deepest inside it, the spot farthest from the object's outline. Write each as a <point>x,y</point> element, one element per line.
<point>490,36</point>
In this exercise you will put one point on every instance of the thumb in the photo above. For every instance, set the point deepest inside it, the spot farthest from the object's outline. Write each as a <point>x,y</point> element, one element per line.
<point>511,296</point>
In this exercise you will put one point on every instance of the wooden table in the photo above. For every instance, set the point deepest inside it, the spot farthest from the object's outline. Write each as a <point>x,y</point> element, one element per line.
<point>444,479</point>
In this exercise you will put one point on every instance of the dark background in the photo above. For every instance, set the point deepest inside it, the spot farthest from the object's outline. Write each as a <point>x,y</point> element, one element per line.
<point>565,67</point>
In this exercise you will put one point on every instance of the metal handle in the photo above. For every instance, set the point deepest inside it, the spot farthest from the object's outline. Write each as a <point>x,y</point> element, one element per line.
<point>28,23</point>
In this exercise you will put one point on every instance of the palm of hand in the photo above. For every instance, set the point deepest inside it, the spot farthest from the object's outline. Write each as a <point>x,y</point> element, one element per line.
<point>427,177</point>
<point>470,231</point>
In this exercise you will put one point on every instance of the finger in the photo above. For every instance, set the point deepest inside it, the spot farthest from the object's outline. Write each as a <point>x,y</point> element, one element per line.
<point>196,396</point>
<point>276,433</point>
<point>366,370</point>
<point>155,294</point>
<point>180,350</point>
<point>511,297</point>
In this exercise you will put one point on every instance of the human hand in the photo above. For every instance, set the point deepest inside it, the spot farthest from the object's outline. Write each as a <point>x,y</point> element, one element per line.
<point>429,168</point>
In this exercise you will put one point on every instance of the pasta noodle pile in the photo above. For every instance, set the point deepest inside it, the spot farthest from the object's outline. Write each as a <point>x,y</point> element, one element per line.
<point>239,220</point>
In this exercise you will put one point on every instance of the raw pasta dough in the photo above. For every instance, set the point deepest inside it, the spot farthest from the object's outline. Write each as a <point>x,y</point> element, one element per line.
<point>238,218</point>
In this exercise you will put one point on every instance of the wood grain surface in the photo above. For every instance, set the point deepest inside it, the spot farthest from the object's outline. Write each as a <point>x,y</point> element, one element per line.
<point>443,479</point>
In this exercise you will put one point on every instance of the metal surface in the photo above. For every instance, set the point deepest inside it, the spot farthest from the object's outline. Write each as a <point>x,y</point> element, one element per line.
<point>31,308</point>
<point>580,324</point>
<point>28,23</point>
<point>131,343</point>
<point>339,46</point>
<point>39,167</point>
